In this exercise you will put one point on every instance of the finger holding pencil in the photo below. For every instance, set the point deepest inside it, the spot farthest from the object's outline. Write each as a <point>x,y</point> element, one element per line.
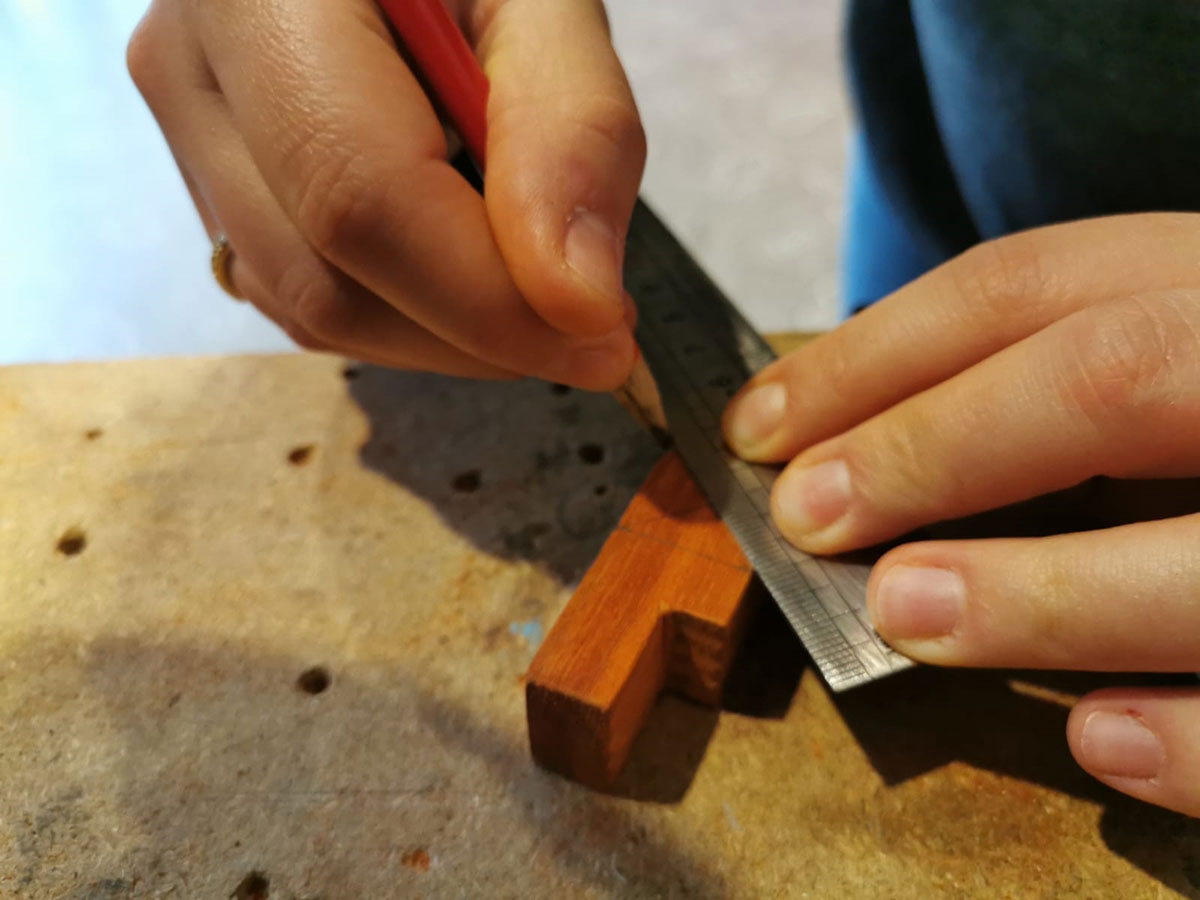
<point>449,67</point>
<point>305,138</point>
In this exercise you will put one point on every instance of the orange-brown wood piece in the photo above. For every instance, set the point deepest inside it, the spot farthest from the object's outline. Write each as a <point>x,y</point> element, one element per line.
<point>663,606</point>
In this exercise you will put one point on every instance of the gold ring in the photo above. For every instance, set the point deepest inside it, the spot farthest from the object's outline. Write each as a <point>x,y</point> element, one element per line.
<point>222,257</point>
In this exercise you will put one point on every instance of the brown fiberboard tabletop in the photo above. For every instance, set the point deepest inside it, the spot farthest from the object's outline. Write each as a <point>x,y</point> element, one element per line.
<point>263,625</point>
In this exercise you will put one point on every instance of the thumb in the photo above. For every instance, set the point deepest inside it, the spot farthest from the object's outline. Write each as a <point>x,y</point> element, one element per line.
<point>564,158</point>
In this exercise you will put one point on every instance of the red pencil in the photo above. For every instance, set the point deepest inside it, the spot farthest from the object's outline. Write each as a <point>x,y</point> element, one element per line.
<point>448,64</point>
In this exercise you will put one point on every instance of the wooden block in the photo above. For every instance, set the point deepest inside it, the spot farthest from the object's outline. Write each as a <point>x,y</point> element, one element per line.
<point>663,606</point>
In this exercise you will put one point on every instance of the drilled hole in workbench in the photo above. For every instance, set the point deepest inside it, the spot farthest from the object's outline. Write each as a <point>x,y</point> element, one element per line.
<point>314,680</point>
<point>592,454</point>
<point>467,482</point>
<point>72,542</point>
<point>300,455</point>
<point>255,886</point>
<point>416,859</point>
<point>92,433</point>
<point>559,389</point>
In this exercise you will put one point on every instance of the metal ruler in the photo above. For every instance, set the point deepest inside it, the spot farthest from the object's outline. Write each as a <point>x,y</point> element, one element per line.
<point>701,350</point>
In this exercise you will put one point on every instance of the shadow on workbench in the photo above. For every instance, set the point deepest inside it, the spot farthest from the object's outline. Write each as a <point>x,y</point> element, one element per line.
<point>523,470</point>
<point>383,784</point>
<point>527,471</point>
<point>761,683</point>
<point>537,472</point>
<point>1014,724</point>
<point>1011,723</point>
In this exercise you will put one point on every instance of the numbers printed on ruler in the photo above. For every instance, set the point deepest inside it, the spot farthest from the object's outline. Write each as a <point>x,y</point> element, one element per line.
<point>701,351</point>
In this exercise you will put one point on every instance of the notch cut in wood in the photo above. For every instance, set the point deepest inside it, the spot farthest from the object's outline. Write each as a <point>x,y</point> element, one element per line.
<point>663,607</point>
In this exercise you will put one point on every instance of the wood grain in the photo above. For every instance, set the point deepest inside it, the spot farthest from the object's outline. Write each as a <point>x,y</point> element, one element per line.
<point>662,607</point>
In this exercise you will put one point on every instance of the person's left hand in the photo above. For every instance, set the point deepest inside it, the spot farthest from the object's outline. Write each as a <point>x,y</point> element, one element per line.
<point>1024,366</point>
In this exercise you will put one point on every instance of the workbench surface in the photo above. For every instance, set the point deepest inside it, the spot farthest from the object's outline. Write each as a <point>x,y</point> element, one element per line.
<point>263,624</point>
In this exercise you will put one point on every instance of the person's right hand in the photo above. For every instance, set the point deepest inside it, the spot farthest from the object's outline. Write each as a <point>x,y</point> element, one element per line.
<point>303,136</point>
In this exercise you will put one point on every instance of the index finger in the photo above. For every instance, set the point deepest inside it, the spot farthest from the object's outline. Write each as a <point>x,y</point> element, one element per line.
<point>1110,390</point>
<point>952,318</point>
<point>351,148</point>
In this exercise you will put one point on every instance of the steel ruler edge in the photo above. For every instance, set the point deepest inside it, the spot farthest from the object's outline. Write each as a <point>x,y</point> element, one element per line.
<point>701,350</point>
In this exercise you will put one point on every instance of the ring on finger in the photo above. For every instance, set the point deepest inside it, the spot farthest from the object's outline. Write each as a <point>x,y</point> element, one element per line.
<point>222,259</point>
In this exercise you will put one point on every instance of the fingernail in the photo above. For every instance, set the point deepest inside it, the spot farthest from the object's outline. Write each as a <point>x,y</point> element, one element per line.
<point>1121,746</point>
<point>591,250</point>
<point>916,603</point>
<point>811,499</point>
<point>756,415</point>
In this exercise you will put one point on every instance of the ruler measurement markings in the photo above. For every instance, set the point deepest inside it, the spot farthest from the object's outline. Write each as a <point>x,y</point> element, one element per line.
<point>820,636</point>
<point>702,350</point>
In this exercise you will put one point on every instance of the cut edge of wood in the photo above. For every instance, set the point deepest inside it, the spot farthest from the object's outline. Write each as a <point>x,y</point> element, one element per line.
<point>583,724</point>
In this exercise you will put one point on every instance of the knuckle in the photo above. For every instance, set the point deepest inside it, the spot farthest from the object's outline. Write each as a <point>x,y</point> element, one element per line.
<point>821,378</point>
<point>1007,277</point>
<point>337,206</point>
<point>143,55</point>
<point>1048,609</point>
<point>1120,361</point>
<point>316,303</point>
<point>597,126</point>
<point>835,363</point>
<point>615,122</point>
<point>904,468</point>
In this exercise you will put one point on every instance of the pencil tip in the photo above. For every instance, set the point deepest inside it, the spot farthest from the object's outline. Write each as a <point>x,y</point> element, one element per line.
<point>641,399</point>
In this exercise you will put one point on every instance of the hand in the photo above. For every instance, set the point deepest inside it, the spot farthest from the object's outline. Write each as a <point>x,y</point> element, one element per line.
<point>1028,364</point>
<point>303,136</point>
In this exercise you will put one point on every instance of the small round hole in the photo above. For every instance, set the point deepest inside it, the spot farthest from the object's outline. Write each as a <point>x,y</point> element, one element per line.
<point>300,455</point>
<point>314,680</point>
<point>592,454</point>
<point>72,542</point>
<point>467,482</point>
<point>93,433</point>
<point>255,886</point>
<point>416,859</point>
<point>600,490</point>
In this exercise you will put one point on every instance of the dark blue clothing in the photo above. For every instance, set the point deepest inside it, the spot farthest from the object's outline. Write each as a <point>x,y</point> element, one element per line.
<point>982,117</point>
